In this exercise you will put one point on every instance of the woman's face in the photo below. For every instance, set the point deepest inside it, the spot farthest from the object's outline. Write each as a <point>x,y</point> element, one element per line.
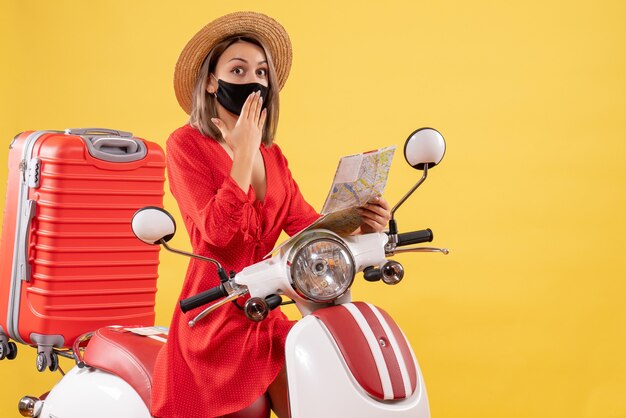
<point>241,63</point>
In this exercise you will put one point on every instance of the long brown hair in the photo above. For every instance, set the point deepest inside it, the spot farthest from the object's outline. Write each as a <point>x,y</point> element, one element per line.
<point>204,104</point>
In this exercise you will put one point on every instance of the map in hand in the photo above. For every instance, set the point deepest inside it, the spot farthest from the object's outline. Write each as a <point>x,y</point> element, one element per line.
<point>359,178</point>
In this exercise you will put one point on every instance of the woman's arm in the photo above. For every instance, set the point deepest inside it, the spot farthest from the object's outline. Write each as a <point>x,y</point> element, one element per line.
<point>220,212</point>
<point>244,138</point>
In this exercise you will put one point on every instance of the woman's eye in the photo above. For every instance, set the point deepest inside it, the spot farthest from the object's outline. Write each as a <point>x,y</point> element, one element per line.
<point>237,71</point>
<point>262,72</point>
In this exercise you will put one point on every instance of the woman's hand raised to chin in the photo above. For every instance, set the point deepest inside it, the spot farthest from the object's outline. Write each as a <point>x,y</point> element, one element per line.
<point>244,138</point>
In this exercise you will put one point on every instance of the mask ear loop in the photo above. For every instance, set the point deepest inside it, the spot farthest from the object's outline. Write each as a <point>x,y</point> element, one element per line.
<point>218,86</point>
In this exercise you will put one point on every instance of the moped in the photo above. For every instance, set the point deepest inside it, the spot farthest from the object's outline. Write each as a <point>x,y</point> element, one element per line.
<point>343,358</point>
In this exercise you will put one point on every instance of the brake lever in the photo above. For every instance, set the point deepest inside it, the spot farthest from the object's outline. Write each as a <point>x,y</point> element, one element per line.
<point>444,251</point>
<point>231,297</point>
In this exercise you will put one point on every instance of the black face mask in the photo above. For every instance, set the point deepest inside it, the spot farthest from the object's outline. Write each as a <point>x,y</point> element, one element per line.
<point>233,96</point>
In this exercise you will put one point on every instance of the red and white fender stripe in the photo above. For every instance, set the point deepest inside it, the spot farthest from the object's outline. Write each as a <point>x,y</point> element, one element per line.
<point>377,353</point>
<point>392,367</point>
<point>396,348</point>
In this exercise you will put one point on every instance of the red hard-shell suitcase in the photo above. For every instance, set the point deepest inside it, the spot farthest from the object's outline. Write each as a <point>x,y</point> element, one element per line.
<point>70,262</point>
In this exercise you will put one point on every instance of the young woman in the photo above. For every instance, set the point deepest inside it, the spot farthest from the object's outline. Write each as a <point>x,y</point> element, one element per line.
<point>236,194</point>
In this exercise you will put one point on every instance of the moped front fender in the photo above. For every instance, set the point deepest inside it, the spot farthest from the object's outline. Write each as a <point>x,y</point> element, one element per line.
<point>322,383</point>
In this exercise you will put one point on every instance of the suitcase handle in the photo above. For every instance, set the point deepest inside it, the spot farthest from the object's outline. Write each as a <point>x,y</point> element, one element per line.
<point>127,146</point>
<point>116,149</point>
<point>98,131</point>
<point>23,266</point>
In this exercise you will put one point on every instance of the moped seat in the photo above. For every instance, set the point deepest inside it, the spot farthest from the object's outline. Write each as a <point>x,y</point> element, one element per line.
<point>125,354</point>
<point>132,357</point>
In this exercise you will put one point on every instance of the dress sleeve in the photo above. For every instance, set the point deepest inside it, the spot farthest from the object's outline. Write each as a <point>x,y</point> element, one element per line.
<point>300,214</point>
<point>219,211</point>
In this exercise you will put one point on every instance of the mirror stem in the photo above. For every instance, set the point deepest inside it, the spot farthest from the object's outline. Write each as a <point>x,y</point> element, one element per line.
<point>393,227</point>
<point>199,257</point>
<point>406,196</point>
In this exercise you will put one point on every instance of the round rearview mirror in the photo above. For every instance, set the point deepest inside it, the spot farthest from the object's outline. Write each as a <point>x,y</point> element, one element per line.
<point>152,224</point>
<point>424,147</point>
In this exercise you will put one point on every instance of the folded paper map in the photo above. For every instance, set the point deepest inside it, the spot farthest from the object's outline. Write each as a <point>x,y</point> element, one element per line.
<point>359,178</point>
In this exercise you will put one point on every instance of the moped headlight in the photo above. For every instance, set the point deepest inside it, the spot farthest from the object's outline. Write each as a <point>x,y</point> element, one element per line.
<point>321,267</point>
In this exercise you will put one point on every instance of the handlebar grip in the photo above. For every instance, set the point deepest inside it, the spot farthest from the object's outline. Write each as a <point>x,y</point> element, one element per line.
<point>415,237</point>
<point>203,298</point>
<point>273,301</point>
<point>372,274</point>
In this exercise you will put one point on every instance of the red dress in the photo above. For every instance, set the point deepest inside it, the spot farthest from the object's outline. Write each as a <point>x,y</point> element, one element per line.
<point>226,361</point>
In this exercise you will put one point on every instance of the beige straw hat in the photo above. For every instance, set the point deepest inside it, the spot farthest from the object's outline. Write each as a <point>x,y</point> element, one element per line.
<point>271,33</point>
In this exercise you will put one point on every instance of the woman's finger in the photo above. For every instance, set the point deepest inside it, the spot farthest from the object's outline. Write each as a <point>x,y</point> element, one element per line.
<point>379,210</point>
<point>375,221</point>
<point>255,111</point>
<point>368,225</point>
<point>252,112</point>
<point>382,202</point>
<point>374,225</point>
<point>262,119</point>
<point>379,219</point>
<point>245,110</point>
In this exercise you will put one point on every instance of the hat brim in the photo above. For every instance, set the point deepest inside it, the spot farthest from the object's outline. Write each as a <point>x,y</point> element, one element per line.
<point>270,32</point>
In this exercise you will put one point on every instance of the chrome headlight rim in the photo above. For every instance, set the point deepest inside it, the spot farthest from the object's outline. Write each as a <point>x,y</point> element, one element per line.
<point>303,242</point>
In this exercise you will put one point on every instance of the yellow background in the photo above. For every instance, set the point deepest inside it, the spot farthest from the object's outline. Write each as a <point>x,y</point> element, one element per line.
<point>526,316</point>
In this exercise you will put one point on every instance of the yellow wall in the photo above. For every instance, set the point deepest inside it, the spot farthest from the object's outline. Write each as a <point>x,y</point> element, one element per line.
<point>526,317</point>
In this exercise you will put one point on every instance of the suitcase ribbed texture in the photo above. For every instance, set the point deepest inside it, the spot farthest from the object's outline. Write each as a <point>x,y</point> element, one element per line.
<point>87,268</point>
